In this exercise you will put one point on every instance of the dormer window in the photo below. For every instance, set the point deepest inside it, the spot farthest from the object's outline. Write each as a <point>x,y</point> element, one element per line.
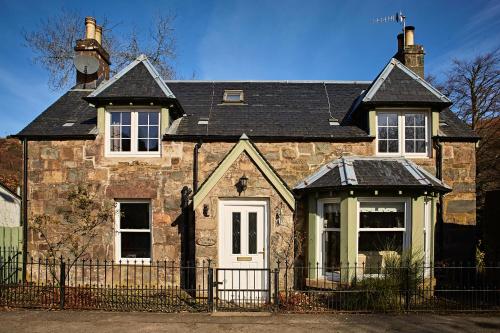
<point>133,132</point>
<point>403,133</point>
<point>233,96</point>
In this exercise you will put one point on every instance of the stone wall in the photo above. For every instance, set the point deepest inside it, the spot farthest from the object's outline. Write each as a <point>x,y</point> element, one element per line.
<point>55,166</point>
<point>458,239</point>
<point>280,232</point>
<point>459,172</point>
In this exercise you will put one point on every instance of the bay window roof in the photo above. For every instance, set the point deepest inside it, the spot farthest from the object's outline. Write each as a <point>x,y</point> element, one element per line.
<point>372,173</point>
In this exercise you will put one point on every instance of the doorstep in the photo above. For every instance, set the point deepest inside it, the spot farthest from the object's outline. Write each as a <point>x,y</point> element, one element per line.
<point>241,314</point>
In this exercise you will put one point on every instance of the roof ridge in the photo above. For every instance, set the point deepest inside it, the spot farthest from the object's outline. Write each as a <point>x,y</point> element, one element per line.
<point>393,63</point>
<point>273,81</point>
<point>151,69</point>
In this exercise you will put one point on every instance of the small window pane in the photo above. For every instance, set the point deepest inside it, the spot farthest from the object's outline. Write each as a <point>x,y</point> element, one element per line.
<point>331,250</point>
<point>136,245</point>
<point>381,241</point>
<point>382,120</point>
<point>409,132</point>
<point>125,145</point>
<point>153,132</point>
<point>382,133</point>
<point>126,132</point>
<point>114,132</point>
<point>153,145</point>
<point>393,133</point>
<point>134,215</point>
<point>421,147</point>
<point>142,144</point>
<point>143,132</point>
<point>392,120</point>
<point>409,120</point>
<point>236,233</point>
<point>233,97</point>
<point>393,146</point>
<point>419,120</point>
<point>115,145</point>
<point>125,118</point>
<point>252,233</point>
<point>331,215</point>
<point>115,118</point>
<point>382,146</point>
<point>382,214</point>
<point>143,118</point>
<point>410,146</point>
<point>153,118</point>
<point>420,133</point>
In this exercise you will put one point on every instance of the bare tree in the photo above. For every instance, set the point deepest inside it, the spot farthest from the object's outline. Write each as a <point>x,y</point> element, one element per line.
<point>71,234</point>
<point>474,87</point>
<point>53,40</point>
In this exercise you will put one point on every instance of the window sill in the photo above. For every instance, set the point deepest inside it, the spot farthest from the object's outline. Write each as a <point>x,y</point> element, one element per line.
<point>137,155</point>
<point>398,155</point>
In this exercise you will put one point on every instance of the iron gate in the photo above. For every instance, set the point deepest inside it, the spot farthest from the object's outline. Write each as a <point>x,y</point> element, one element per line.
<point>242,289</point>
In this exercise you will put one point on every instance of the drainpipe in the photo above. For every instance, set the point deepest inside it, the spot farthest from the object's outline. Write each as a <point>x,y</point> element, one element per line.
<point>25,207</point>
<point>440,221</point>
<point>197,147</point>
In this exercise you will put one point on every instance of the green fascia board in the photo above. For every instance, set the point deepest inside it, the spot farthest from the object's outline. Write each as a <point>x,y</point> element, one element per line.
<point>244,145</point>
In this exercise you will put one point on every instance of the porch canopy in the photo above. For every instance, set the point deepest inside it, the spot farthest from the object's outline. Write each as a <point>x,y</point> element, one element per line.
<point>372,173</point>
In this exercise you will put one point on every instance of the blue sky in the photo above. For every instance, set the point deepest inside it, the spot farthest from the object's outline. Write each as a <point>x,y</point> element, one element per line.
<point>268,40</point>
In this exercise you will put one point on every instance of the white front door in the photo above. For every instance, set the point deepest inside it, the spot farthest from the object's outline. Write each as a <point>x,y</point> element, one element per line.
<point>243,250</point>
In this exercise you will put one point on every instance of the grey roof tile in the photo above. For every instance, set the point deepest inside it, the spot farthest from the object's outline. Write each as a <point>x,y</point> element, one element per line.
<point>69,108</point>
<point>270,109</point>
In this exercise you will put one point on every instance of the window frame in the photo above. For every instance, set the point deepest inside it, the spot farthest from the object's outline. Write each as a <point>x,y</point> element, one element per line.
<point>119,231</point>
<point>319,233</point>
<point>134,133</point>
<point>407,230</point>
<point>402,134</point>
<point>231,92</point>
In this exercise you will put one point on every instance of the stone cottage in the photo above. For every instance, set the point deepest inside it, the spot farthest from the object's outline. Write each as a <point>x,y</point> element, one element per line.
<point>246,173</point>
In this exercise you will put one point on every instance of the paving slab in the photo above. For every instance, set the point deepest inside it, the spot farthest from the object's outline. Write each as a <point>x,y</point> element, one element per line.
<point>135,322</point>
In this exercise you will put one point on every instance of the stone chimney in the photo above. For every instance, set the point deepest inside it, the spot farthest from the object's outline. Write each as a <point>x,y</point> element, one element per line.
<point>91,46</point>
<point>411,55</point>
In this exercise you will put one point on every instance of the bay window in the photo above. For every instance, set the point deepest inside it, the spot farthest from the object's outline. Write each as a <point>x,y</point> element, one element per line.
<point>403,133</point>
<point>382,232</point>
<point>134,132</point>
<point>329,234</point>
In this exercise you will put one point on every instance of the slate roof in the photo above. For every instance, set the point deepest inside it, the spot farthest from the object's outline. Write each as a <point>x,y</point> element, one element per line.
<point>70,108</point>
<point>270,109</point>
<point>398,84</point>
<point>372,172</point>
<point>138,80</point>
<point>452,128</point>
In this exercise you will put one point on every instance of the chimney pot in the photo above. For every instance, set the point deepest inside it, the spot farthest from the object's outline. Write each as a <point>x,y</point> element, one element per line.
<point>409,35</point>
<point>98,34</point>
<point>400,42</point>
<point>90,27</point>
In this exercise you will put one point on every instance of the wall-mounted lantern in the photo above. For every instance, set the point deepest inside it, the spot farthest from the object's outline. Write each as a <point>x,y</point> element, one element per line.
<point>205,210</point>
<point>242,184</point>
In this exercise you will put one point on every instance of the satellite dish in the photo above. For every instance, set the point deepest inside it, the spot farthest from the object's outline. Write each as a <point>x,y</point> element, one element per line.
<point>86,64</point>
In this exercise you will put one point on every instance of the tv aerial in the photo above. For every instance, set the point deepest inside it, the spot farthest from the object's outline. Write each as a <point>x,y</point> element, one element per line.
<point>86,65</point>
<point>399,17</point>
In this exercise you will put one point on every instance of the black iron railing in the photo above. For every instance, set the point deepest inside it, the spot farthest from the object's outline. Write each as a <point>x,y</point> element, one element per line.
<point>168,287</point>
